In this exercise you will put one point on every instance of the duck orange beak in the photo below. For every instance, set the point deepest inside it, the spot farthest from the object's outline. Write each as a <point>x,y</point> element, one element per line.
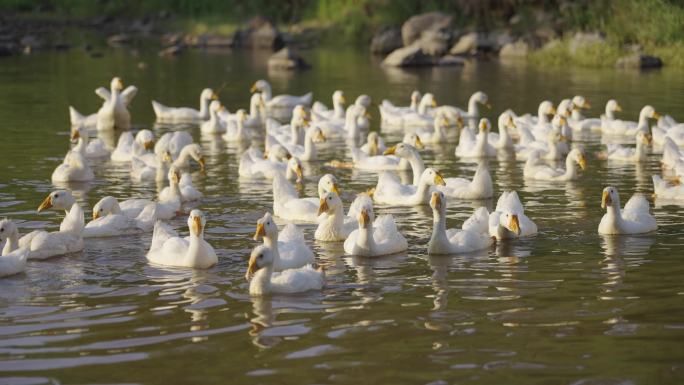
<point>253,88</point>
<point>419,143</point>
<point>515,224</point>
<point>96,214</point>
<point>46,204</point>
<point>436,200</point>
<point>335,189</point>
<point>390,151</point>
<point>197,225</point>
<point>364,218</point>
<point>149,145</point>
<point>260,231</point>
<point>251,269</point>
<point>439,179</point>
<point>322,207</point>
<point>75,135</point>
<point>583,162</point>
<point>201,162</point>
<point>606,200</point>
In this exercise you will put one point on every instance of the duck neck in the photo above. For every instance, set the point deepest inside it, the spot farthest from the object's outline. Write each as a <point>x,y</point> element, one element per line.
<point>365,240</point>
<point>541,115</point>
<point>614,215</point>
<point>553,149</point>
<point>261,281</point>
<point>204,108</point>
<point>339,111</point>
<point>640,150</point>
<point>438,241</point>
<point>473,108</point>
<point>294,130</point>
<point>417,167</point>
<point>11,244</point>
<point>422,107</point>
<point>309,148</point>
<point>570,168</point>
<point>481,141</point>
<point>80,146</point>
<point>423,191</point>
<point>175,189</point>
<point>162,171</point>
<point>240,128</point>
<point>351,125</point>
<point>577,114</point>
<point>335,221</point>
<point>271,241</point>
<point>194,248</point>
<point>610,114</point>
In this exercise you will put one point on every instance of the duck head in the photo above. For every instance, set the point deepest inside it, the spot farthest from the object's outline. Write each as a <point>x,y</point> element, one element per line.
<point>57,200</point>
<point>260,257</point>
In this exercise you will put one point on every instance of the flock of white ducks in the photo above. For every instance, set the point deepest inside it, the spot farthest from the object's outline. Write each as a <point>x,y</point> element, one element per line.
<point>284,263</point>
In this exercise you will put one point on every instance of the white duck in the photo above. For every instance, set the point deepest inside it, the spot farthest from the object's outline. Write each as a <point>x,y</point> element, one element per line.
<point>264,281</point>
<point>402,156</point>
<point>320,111</point>
<point>672,154</point>
<point>287,204</point>
<point>374,238</point>
<point>142,171</point>
<point>109,220</point>
<point>480,187</point>
<point>502,140</point>
<point>374,145</point>
<point>188,191</point>
<point>552,149</point>
<point>114,112</point>
<point>334,227</point>
<point>628,128</point>
<point>90,149</point>
<point>666,190</point>
<point>236,130</point>
<point>68,239</point>
<point>390,190</point>
<point>423,116</point>
<point>579,122</point>
<point>191,151</point>
<point>308,151</point>
<point>391,115</point>
<point>473,113</point>
<point>292,133</point>
<point>509,220</point>
<point>127,95</point>
<point>453,241</point>
<point>168,205</point>
<point>214,125</point>
<point>289,249</point>
<point>439,133</point>
<point>13,259</point>
<point>629,154</point>
<point>284,102</point>
<point>256,117</point>
<point>363,121</point>
<point>635,218</point>
<point>173,142</point>
<point>545,109</point>
<point>476,146</point>
<point>254,166</point>
<point>185,114</point>
<point>127,147</point>
<point>74,169</point>
<point>130,207</point>
<point>535,169</point>
<point>169,249</point>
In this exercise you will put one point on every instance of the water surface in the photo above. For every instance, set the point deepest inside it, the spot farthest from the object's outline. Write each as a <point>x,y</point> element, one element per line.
<point>567,306</point>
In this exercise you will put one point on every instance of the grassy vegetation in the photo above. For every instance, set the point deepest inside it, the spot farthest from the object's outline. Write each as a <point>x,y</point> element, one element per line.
<point>657,26</point>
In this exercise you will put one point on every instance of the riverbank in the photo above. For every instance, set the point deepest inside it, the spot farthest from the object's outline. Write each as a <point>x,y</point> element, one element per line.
<point>627,33</point>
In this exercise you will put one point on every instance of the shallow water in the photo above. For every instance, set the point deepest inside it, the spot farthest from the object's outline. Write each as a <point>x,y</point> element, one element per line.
<point>567,306</point>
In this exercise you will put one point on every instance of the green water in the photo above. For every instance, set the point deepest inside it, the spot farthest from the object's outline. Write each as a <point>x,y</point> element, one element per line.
<point>565,307</point>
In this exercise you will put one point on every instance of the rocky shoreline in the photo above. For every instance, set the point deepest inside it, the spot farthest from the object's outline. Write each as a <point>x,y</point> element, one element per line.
<point>428,39</point>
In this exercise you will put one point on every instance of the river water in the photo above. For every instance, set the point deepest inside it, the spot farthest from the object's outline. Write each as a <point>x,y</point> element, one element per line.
<point>565,307</point>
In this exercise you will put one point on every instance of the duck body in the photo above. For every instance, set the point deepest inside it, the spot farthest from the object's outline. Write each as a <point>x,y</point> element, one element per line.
<point>13,258</point>
<point>509,220</point>
<point>175,115</point>
<point>455,241</point>
<point>665,190</point>
<point>535,169</point>
<point>480,187</point>
<point>289,248</point>
<point>374,238</point>
<point>169,249</point>
<point>69,239</point>
<point>114,111</point>
<point>74,169</point>
<point>390,190</point>
<point>634,218</point>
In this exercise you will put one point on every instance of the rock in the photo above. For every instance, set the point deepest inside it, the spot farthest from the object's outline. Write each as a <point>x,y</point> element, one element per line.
<point>410,56</point>
<point>498,39</point>
<point>118,39</point>
<point>30,42</point>
<point>287,59</point>
<point>171,51</point>
<point>639,61</point>
<point>434,43</point>
<point>466,45</point>
<point>61,46</point>
<point>519,49</point>
<point>415,26</point>
<point>583,39</point>
<point>450,60</point>
<point>545,35</point>
<point>169,39</point>
<point>386,40</point>
<point>208,41</point>
<point>259,34</point>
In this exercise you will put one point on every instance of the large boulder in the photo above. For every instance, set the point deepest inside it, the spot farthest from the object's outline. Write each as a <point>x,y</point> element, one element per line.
<point>584,39</point>
<point>519,49</point>
<point>467,44</point>
<point>434,43</point>
<point>639,61</point>
<point>287,59</point>
<point>411,56</point>
<point>386,40</point>
<point>260,33</point>
<point>415,26</point>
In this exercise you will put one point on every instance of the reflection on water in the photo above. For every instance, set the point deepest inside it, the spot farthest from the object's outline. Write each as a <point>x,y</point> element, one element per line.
<point>565,306</point>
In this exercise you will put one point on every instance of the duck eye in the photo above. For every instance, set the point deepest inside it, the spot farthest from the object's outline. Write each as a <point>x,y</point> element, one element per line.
<point>2,229</point>
<point>56,195</point>
<point>268,223</point>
